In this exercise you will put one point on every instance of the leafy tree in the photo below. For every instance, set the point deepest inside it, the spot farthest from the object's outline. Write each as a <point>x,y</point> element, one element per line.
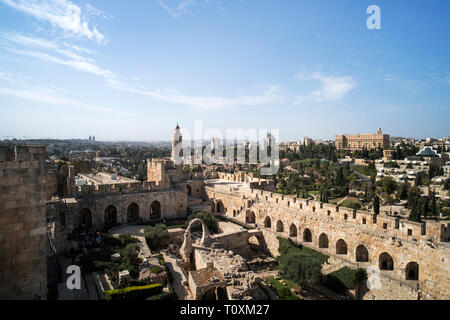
<point>299,268</point>
<point>156,235</point>
<point>389,186</point>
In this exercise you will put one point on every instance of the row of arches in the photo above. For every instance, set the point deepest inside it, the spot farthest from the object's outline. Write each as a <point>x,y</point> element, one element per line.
<point>110,214</point>
<point>385,260</point>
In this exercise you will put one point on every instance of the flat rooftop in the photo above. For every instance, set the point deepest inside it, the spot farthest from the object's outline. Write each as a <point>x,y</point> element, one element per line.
<point>227,185</point>
<point>104,178</point>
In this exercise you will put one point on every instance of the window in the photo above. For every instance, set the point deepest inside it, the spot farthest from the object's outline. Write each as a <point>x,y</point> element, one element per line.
<point>409,232</point>
<point>384,226</point>
<point>364,221</point>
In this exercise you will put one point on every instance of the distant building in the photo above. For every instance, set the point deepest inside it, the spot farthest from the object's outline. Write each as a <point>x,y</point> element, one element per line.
<point>306,141</point>
<point>369,141</point>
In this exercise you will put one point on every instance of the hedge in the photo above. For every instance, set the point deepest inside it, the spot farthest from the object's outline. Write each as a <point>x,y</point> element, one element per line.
<point>134,293</point>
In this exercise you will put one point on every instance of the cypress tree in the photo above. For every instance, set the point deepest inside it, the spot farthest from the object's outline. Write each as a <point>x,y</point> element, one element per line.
<point>376,204</point>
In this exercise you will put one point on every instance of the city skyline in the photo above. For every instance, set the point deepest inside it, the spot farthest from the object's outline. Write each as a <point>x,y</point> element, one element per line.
<point>70,69</point>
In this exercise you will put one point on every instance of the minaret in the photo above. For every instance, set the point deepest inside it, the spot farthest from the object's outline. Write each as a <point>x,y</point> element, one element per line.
<point>176,144</point>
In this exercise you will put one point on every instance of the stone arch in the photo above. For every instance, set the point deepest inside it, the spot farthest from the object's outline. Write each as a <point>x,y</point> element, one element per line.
<point>307,235</point>
<point>155,210</point>
<point>280,226</point>
<point>254,242</point>
<point>85,217</point>
<point>186,249</point>
<point>188,190</point>
<point>110,215</point>
<point>219,207</point>
<point>323,241</point>
<point>292,230</point>
<point>362,254</point>
<point>341,247</point>
<point>412,271</point>
<point>133,212</point>
<point>386,262</point>
<point>267,222</point>
<point>250,217</point>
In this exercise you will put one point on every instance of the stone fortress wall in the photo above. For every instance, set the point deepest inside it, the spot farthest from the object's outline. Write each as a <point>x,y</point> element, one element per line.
<point>23,233</point>
<point>417,253</point>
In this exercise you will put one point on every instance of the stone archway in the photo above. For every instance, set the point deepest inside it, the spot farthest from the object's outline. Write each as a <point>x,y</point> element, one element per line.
<point>219,207</point>
<point>186,250</point>
<point>155,210</point>
<point>133,212</point>
<point>323,241</point>
<point>110,215</point>
<point>85,217</point>
<point>341,247</point>
<point>412,271</point>
<point>362,254</point>
<point>386,262</point>
<point>307,235</point>
<point>267,222</point>
<point>293,231</point>
<point>250,217</point>
<point>279,226</point>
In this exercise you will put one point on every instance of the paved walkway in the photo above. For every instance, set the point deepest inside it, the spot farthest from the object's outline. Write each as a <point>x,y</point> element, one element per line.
<point>65,293</point>
<point>138,233</point>
<point>178,278</point>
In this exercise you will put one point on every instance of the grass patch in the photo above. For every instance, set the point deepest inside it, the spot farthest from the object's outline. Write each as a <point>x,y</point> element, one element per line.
<point>283,291</point>
<point>351,203</point>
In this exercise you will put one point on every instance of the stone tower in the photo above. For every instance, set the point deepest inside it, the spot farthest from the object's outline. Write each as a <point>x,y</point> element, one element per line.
<point>23,231</point>
<point>177,145</point>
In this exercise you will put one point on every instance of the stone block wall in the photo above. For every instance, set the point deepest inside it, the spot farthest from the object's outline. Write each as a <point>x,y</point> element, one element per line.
<point>23,232</point>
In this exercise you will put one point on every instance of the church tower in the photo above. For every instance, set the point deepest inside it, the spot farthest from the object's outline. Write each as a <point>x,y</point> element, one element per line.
<point>176,144</point>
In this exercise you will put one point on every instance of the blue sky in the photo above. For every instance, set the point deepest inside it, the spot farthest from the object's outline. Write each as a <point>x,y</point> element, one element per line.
<point>129,70</point>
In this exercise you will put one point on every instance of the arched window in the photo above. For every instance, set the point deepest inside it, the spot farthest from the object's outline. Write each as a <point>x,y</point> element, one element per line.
<point>280,226</point>
<point>386,262</point>
<point>412,271</point>
<point>341,247</point>
<point>362,254</point>
<point>267,222</point>
<point>307,235</point>
<point>110,215</point>
<point>132,212</point>
<point>250,218</point>
<point>293,231</point>
<point>155,210</point>
<point>188,190</point>
<point>323,241</point>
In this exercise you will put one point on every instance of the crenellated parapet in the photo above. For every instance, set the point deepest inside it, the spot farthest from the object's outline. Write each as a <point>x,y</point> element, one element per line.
<point>395,226</point>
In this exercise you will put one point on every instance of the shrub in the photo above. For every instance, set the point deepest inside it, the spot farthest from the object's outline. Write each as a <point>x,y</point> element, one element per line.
<point>156,269</point>
<point>156,235</point>
<point>134,293</point>
<point>300,268</point>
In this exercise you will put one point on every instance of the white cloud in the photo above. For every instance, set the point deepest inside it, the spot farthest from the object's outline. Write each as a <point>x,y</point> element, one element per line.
<point>177,7</point>
<point>11,86</point>
<point>332,89</point>
<point>62,14</point>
